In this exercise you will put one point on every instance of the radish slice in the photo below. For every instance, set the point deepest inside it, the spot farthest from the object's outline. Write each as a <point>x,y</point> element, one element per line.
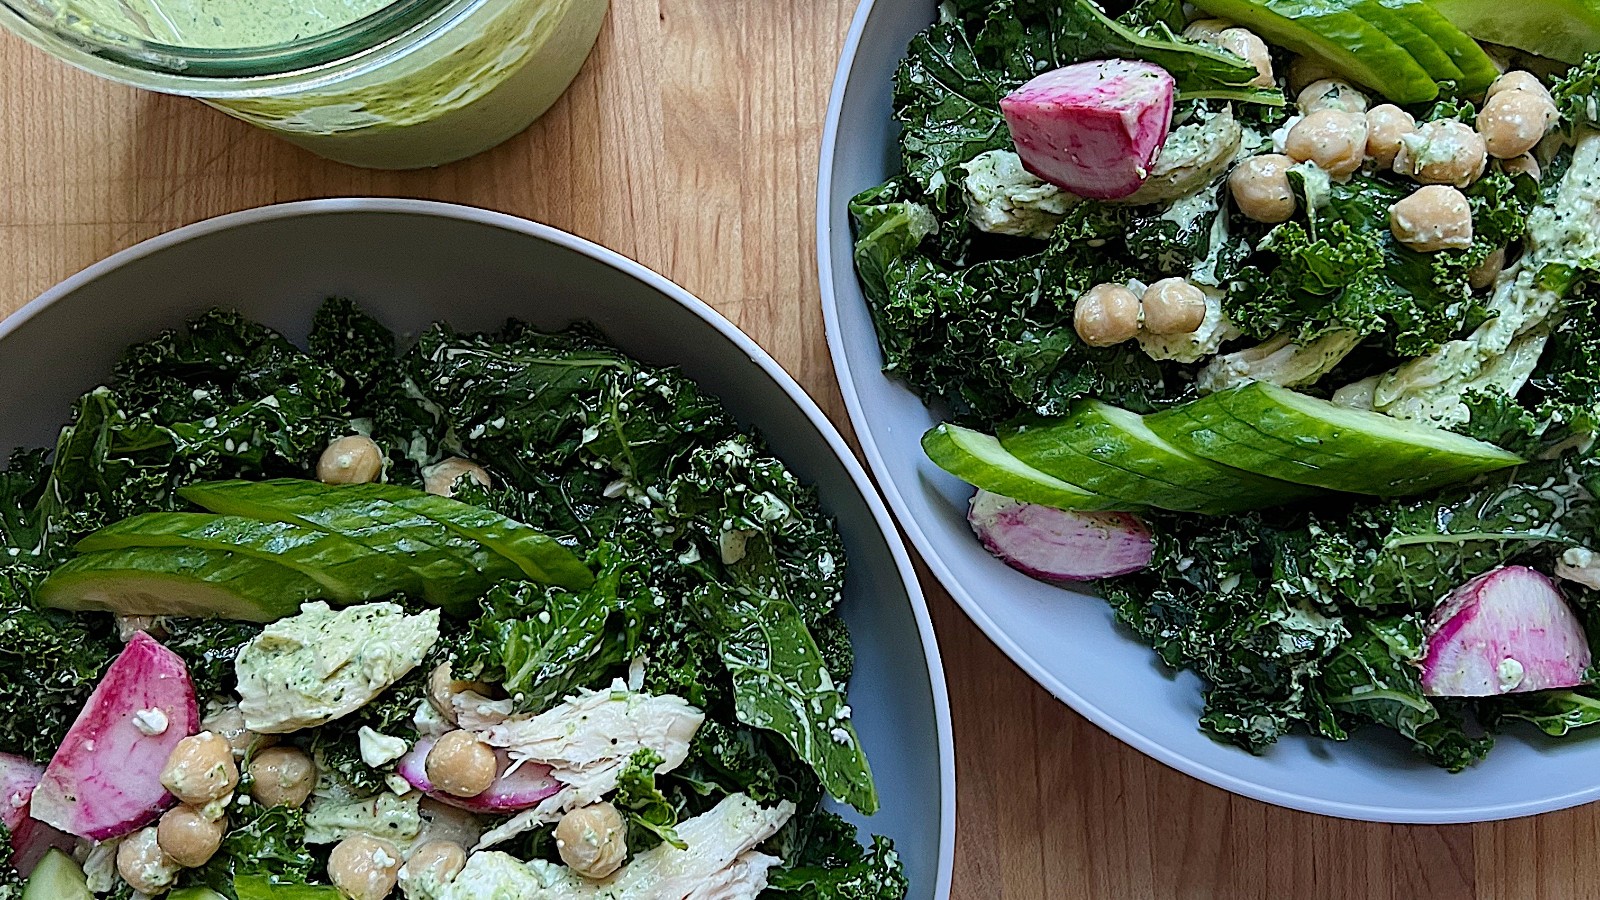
<point>104,780</point>
<point>1060,545</point>
<point>509,793</point>
<point>1504,632</point>
<point>31,839</point>
<point>1093,128</point>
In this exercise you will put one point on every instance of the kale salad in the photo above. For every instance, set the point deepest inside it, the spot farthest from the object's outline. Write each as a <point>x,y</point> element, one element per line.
<point>1276,322</point>
<point>493,615</point>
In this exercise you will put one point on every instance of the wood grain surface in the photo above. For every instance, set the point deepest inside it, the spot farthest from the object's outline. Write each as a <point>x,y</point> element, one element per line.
<point>690,143</point>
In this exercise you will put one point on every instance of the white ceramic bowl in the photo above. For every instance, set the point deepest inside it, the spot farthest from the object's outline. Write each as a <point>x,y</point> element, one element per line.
<point>1068,641</point>
<point>410,263</point>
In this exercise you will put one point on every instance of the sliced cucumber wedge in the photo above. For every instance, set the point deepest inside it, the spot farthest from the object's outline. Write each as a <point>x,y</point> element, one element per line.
<point>1112,451</point>
<point>350,572</point>
<point>1393,16</point>
<point>1312,441</point>
<point>1477,69</point>
<point>57,877</point>
<point>979,460</point>
<point>178,581</point>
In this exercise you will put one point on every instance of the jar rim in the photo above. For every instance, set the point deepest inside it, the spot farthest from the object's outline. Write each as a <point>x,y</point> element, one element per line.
<point>398,27</point>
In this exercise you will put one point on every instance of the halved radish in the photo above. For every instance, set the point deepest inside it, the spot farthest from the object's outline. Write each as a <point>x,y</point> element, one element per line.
<point>1057,544</point>
<point>1092,128</point>
<point>31,839</point>
<point>105,779</point>
<point>1504,632</point>
<point>511,792</point>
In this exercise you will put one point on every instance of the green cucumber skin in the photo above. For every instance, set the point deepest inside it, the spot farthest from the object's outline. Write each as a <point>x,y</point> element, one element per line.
<point>535,554</point>
<point>1477,70</point>
<point>1558,29</point>
<point>350,572</point>
<point>1084,455</point>
<point>56,877</point>
<point>1331,32</point>
<point>1406,31</point>
<point>1014,479</point>
<point>238,587</point>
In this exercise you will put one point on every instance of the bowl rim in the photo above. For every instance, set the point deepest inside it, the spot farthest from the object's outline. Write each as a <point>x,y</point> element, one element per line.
<point>550,234</point>
<point>827,270</point>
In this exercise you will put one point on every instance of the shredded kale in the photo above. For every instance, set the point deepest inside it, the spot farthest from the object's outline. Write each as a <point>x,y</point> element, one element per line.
<point>261,841</point>
<point>651,815</point>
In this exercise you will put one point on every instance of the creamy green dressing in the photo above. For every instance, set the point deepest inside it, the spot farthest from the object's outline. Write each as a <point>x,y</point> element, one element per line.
<point>219,24</point>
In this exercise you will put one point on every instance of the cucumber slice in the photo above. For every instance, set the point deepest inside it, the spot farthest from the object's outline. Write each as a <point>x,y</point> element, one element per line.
<point>57,877</point>
<point>260,887</point>
<point>1334,33</point>
<point>979,460</point>
<point>350,572</point>
<point>178,581</point>
<point>1477,69</point>
<point>1313,441</point>
<point>452,570</point>
<point>195,893</point>
<point>1393,17</point>
<point>1557,29</point>
<point>1114,452</point>
<point>537,555</point>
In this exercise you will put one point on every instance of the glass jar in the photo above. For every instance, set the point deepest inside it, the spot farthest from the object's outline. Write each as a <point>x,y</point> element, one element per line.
<point>386,84</point>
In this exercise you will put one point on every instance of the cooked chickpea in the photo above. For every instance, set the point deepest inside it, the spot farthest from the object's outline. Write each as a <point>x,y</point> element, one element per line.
<point>443,687</point>
<point>592,841</point>
<point>1173,306</point>
<point>201,768</point>
<point>435,862</point>
<point>1513,122</point>
<point>1106,315</point>
<point>1487,271</point>
<point>1305,70</point>
<point>282,776</point>
<point>461,765</point>
<point>189,836</point>
<point>1335,140</point>
<point>1435,217</point>
<point>229,722</point>
<point>1331,93</point>
<point>363,867</point>
<point>1386,125</point>
<point>354,459</point>
<point>142,863</point>
<point>1260,188</point>
<point>1247,44</point>
<point>440,478</point>
<point>1521,165</point>
<point>1443,151</point>
<point>1517,80</point>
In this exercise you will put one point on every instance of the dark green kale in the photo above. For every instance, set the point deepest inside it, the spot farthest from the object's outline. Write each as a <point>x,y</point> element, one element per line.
<point>52,662</point>
<point>337,745</point>
<point>261,841</point>
<point>11,880</point>
<point>832,865</point>
<point>208,648</point>
<point>652,817</point>
<point>357,347</point>
<point>1555,713</point>
<point>1577,93</point>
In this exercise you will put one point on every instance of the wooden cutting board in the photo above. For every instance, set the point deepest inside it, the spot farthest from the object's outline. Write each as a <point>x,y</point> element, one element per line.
<point>690,143</point>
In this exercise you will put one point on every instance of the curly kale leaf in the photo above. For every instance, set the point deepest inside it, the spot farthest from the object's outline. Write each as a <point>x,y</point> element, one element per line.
<point>11,880</point>
<point>354,345</point>
<point>1577,93</point>
<point>208,648</point>
<point>1373,678</point>
<point>832,865</point>
<point>337,745</point>
<point>52,662</point>
<point>651,817</point>
<point>262,841</point>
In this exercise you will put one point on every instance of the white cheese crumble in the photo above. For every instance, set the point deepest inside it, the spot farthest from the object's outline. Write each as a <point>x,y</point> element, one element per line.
<point>379,749</point>
<point>150,722</point>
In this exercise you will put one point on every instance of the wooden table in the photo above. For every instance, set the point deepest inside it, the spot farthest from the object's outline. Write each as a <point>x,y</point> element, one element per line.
<point>690,143</point>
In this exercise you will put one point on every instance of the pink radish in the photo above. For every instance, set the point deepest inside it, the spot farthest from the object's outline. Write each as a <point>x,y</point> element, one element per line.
<point>104,780</point>
<point>1504,632</point>
<point>509,793</point>
<point>1060,545</point>
<point>1092,128</point>
<point>31,839</point>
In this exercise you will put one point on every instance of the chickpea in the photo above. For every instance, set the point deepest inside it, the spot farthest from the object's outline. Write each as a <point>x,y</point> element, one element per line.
<point>461,765</point>
<point>189,836</point>
<point>201,769</point>
<point>1513,122</point>
<point>363,867</point>
<point>1521,165</point>
<point>142,863</point>
<point>1517,80</point>
<point>1336,141</point>
<point>1386,125</point>
<point>282,776</point>
<point>435,862</point>
<point>1435,217</point>
<point>443,688</point>
<point>1247,44</point>
<point>441,477</point>
<point>1173,306</point>
<point>1443,151</point>
<point>1304,70</point>
<point>1487,271</point>
<point>1331,93</point>
<point>1260,188</point>
<point>354,459</point>
<point>592,841</point>
<point>1106,315</point>
<point>229,722</point>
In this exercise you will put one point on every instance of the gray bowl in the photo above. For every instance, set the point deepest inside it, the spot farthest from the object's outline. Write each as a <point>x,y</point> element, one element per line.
<point>411,263</point>
<point>1067,640</point>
